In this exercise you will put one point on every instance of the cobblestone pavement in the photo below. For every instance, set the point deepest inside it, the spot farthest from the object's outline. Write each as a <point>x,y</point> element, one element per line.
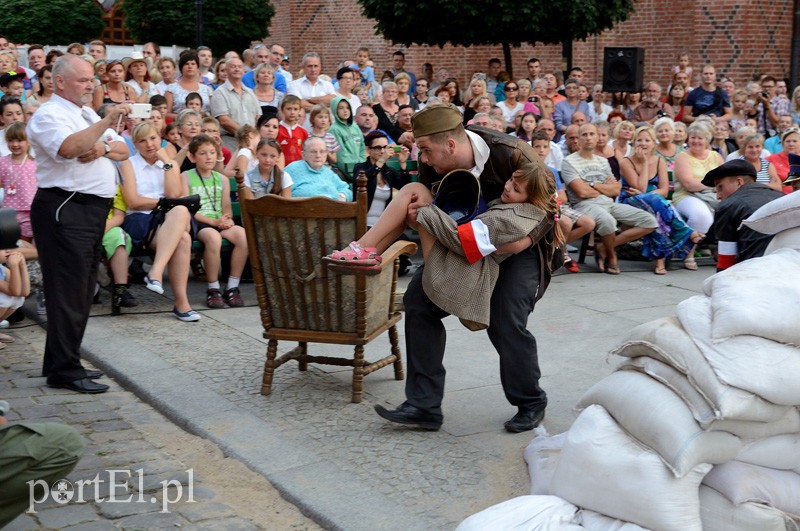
<point>123,433</point>
<point>338,461</point>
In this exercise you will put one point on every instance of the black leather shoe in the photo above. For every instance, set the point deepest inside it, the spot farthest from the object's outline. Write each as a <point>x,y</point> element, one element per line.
<point>524,420</point>
<point>94,375</point>
<point>81,385</point>
<point>414,416</point>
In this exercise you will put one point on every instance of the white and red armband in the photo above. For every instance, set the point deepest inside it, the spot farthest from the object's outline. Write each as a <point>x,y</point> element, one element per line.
<point>475,241</point>
<point>726,254</point>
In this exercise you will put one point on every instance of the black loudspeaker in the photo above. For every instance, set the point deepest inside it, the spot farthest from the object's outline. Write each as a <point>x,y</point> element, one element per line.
<point>623,69</point>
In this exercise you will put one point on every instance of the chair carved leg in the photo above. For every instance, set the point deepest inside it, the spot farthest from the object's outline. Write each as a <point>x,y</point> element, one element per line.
<point>358,374</point>
<point>269,367</point>
<point>398,363</point>
<point>302,362</point>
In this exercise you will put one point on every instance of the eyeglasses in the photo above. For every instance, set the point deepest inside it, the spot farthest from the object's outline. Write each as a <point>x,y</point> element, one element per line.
<point>509,89</point>
<point>206,131</point>
<point>376,148</point>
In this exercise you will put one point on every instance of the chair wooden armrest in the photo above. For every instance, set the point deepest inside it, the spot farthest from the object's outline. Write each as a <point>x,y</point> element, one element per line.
<point>395,250</point>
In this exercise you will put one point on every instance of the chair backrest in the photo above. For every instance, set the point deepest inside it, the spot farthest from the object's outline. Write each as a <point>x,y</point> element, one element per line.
<point>297,294</point>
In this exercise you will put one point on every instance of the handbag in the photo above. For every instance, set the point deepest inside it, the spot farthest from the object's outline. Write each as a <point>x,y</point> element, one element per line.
<point>458,194</point>
<point>707,196</point>
<point>165,204</point>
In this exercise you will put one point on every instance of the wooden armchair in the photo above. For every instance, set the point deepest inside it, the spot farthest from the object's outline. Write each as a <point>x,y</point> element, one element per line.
<point>302,301</point>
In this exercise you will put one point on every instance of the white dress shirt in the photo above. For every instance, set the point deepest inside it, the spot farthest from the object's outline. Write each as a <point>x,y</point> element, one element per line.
<point>48,129</point>
<point>149,179</point>
<point>304,89</point>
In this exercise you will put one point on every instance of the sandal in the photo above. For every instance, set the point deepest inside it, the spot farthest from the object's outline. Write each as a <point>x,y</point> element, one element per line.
<point>660,270</point>
<point>600,262</point>
<point>690,264</point>
<point>5,338</point>
<point>355,255</point>
<point>347,268</point>
<point>612,269</point>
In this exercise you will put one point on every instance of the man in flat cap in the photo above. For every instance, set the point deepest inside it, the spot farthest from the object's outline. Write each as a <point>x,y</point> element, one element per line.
<point>739,197</point>
<point>444,145</point>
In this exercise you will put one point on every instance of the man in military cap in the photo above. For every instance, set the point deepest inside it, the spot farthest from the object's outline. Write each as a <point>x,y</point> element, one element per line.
<point>739,197</point>
<point>444,145</point>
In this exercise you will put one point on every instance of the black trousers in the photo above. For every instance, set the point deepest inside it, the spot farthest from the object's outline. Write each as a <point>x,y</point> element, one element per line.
<point>512,302</point>
<point>68,230</point>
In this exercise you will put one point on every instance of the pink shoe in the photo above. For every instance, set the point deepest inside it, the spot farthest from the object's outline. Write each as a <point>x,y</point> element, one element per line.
<point>354,255</point>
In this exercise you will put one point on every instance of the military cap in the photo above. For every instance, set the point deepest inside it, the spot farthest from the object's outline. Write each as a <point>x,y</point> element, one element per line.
<point>436,119</point>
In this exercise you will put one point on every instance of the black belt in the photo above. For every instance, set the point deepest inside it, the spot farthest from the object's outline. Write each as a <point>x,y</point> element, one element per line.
<point>80,197</point>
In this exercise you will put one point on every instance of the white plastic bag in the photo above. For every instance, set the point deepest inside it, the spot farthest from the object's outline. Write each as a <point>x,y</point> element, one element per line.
<point>605,470</point>
<point>525,513</point>
<point>720,514</point>
<point>542,456</point>
<point>659,419</point>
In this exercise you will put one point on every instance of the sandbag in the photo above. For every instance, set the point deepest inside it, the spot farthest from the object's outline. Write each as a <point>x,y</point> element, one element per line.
<point>719,514</point>
<point>599,522</point>
<point>605,470</point>
<point>754,296</point>
<point>659,419</point>
<point>781,452</point>
<point>667,341</point>
<point>787,239</point>
<point>767,368</point>
<point>750,430</point>
<point>525,513</point>
<point>742,483</point>
<point>542,456</point>
<point>777,215</point>
<point>678,383</point>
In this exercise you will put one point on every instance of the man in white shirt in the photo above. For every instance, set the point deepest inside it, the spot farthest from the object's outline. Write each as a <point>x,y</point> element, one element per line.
<point>310,88</point>
<point>206,60</point>
<point>76,150</point>
<point>233,104</point>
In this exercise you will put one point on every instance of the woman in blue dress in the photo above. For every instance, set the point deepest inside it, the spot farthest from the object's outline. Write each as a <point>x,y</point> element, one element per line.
<point>645,185</point>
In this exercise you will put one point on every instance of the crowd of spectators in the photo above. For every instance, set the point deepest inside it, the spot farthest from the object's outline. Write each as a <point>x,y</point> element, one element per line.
<point>308,128</point>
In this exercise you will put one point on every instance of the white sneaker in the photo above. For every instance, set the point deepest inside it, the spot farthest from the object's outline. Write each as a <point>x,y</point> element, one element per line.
<point>4,324</point>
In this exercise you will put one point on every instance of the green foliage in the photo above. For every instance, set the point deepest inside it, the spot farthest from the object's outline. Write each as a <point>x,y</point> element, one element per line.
<point>227,24</point>
<point>51,21</point>
<point>475,22</point>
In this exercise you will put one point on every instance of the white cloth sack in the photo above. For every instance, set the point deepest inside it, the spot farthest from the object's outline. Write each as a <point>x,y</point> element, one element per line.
<point>754,298</point>
<point>719,514</point>
<point>777,215</point>
<point>767,368</point>
<point>750,430</point>
<point>667,341</point>
<point>599,522</point>
<point>743,483</point>
<point>677,382</point>
<point>787,239</point>
<point>659,419</point>
<point>525,513</point>
<point>605,470</point>
<point>781,452</point>
<point>542,456</point>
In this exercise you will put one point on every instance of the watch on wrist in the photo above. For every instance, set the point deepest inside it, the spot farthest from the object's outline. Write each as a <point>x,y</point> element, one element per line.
<point>592,184</point>
<point>168,166</point>
<point>107,147</point>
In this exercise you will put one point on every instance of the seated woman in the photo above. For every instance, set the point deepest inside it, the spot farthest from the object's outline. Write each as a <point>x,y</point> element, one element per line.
<point>645,185</point>
<point>146,177</point>
<point>692,199</point>
<point>765,170</point>
<point>312,178</point>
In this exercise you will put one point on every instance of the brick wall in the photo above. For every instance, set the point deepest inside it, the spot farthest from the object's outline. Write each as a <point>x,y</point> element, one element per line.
<point>740,38</point>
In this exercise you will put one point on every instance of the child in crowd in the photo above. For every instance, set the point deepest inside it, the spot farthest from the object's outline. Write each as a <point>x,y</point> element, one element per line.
<point>349,137</point>
<point>10,112</point>
<point>320,125</point>
<point>194,102</point>
<point>15,285</point>
<point>245,159</point>
<point>18,177</point>
<point>362,68</point>
<point>291,136</point>
<point>12,85</point>
<point>267,177</point>
<point>210,126</point>
<point>684,65</point>
<point>215,221</point>
<point>117,245</point>
<point>524,209</point>
<point>268,127</point>
<point>159,103</point>
<point>573,223</point>
<point>172,133</point>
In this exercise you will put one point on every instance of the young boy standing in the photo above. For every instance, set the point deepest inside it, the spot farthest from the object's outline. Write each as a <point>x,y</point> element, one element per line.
<point>291,136</point>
